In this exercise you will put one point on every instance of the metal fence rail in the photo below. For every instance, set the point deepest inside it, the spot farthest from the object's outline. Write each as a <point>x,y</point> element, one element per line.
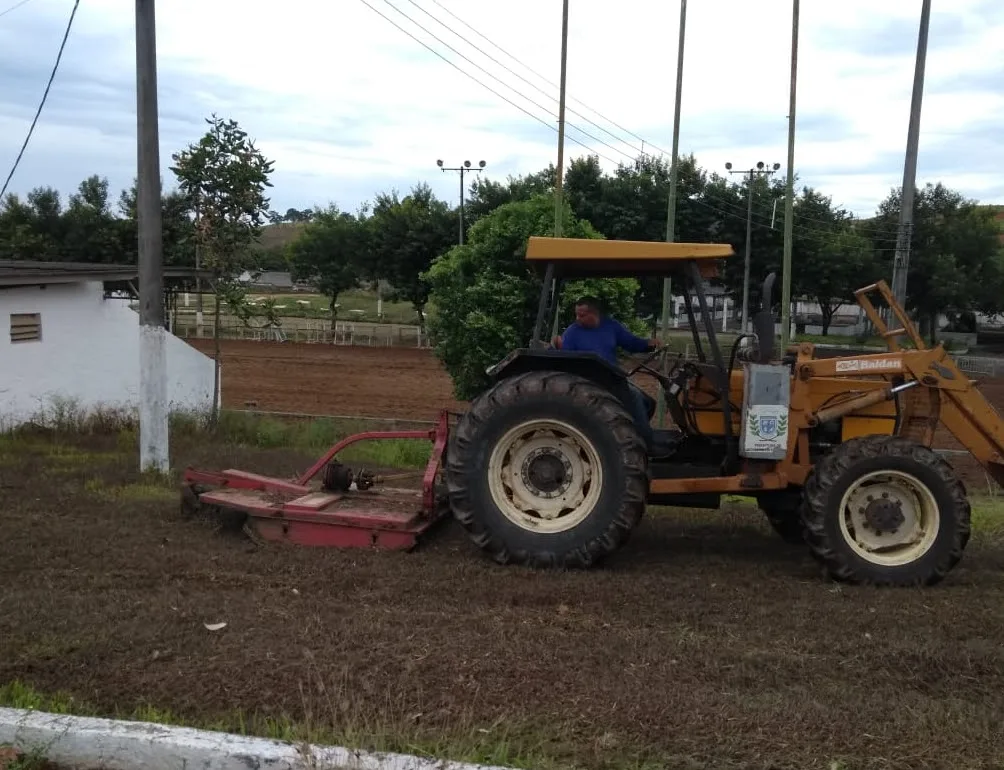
<point>312,331</point>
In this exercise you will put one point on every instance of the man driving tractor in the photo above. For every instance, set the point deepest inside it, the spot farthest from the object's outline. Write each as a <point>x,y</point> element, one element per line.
<point>594,332</point>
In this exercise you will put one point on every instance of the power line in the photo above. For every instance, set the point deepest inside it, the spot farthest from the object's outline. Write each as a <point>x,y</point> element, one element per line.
<point>742,218</point>
<point>549,82</point>
<point>734,210</point>
<point>484,85</point>
<point>45,96</point>
<point>494,77</point>
<point>808,230</point>
<point>14,7</point>
<point>616,137</point>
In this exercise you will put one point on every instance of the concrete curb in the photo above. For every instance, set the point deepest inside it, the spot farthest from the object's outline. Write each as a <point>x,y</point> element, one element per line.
<point>107,744</point>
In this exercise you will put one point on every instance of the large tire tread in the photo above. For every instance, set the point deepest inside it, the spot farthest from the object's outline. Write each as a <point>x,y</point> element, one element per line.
<point>826,474</point>
<point>604,407</point>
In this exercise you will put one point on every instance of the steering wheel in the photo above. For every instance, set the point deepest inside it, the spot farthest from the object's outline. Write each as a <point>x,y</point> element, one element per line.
<point>643,364</point>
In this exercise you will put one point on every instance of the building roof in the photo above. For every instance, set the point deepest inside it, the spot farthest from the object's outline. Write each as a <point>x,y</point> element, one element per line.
<point>31,273</point>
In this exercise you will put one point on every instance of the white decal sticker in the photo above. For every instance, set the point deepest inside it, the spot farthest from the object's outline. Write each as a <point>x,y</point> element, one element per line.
<point>866,365</point>
<point>766,429</point>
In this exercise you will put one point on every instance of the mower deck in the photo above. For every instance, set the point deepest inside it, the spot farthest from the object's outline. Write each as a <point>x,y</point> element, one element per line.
<point>354,515</point>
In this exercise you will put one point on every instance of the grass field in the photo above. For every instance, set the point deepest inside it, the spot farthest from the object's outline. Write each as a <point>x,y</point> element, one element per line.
<point>705,643</point>
<point>358,305</point>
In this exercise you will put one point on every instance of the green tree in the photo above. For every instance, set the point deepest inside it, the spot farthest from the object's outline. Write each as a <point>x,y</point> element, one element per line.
<point>485,293</point>
<point>330,253</point>
<point>224,178</point>
<point>177,225</point>
<point>841,262</point>
<point>955,254</point>
<point>406,236</point>
<point>632,205</point>
<point>486,195</point>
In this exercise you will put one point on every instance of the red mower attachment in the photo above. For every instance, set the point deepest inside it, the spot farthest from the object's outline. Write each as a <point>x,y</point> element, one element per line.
<point>342,510</point>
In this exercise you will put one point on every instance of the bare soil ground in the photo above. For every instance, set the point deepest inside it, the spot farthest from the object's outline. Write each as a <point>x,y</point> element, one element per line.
<point>406,383</point>
<point>706,643</point>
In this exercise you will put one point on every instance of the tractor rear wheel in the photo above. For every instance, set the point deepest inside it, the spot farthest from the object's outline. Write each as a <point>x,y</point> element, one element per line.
<point>546,469</point>
<point>884,510</point>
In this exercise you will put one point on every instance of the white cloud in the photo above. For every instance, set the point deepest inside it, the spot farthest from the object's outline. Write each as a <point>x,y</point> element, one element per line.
<point>348,105</point>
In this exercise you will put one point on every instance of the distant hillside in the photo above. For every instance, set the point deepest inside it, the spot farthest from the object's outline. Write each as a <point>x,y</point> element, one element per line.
<point>278,236</point>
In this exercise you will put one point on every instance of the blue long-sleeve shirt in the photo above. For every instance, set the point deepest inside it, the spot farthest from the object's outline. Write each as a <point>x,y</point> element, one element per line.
<point>603,340</point>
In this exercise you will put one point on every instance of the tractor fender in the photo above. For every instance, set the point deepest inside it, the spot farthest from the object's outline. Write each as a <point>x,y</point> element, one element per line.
<point>587,365</point>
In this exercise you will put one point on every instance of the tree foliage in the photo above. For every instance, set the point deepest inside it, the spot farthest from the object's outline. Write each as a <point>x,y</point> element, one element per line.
<point>331,252</point>
<point>484,288</point>
<point>485,292</point>
<point>956,262</point>
<point>406,235</point>
<point>224,178</point>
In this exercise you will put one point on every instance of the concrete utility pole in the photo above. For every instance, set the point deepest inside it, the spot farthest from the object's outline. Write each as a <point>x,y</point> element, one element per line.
<point>789,197</point>
<point>466,168</point>
<point>559,188</point>
<point>667,283</point>
<point>901,265</point>
<point>750,174</point>
<point>153,424</point>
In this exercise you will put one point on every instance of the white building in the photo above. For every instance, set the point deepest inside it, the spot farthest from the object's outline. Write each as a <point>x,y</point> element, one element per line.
<point>65,340</point>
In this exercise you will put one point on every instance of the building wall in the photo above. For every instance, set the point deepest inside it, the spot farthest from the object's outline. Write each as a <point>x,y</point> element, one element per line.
<point>89,353</point>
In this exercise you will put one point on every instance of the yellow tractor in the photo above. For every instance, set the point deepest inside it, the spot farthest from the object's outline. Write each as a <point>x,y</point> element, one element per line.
<point>547,467</point>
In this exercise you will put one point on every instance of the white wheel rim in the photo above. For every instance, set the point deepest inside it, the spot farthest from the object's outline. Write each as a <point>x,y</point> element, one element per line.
<point>545,476</point>
<point>889,518</point>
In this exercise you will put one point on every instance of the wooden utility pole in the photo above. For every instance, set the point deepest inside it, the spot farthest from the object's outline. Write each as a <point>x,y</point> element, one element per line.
<point>153,422</point>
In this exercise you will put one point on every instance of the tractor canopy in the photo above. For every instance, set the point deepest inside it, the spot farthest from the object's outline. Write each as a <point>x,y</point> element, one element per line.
<point>570,258</point>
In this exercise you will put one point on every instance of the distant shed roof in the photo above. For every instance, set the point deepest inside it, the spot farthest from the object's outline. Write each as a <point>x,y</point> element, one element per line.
<point>15,272</point>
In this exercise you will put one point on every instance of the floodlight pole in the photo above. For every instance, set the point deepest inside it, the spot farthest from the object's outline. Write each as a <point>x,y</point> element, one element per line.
<point>153,418</point>
<point>750,174</point>
<point>465,168</point>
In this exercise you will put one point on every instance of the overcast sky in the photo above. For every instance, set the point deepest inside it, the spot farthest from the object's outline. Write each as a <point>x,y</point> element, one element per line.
<point>347,104</point>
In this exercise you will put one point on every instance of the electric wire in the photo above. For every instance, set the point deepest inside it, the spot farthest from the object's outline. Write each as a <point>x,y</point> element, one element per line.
<point>14,7</point>
<point>734,210</point>
<point>724,208</point>
<point>549,82</point>
<point>639,150</point>
<point>864,229</point>
<point>499,80</point>
<point>484,85</point>
<point>45,96</point>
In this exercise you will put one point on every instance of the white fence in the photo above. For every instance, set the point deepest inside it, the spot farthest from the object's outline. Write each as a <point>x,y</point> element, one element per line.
<point>313,331</point>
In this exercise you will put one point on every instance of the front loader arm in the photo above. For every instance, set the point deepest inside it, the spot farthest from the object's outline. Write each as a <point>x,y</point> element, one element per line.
<point>931,386</point>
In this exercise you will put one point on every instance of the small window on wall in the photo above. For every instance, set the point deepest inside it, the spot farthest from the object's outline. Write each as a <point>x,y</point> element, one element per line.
<point>25,327</point>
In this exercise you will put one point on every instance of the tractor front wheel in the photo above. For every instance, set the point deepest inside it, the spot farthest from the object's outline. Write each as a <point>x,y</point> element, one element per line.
<point>884,510</point>
<point>547,469</point>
